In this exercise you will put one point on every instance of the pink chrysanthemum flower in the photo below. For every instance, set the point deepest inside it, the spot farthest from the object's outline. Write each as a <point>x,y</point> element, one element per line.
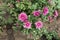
<point>36,13</point>
<point>38,24</point>
<point>45,11</point>
<point>55,13</point>
<point>50,19</point>
<point>27,25</point>
<point>22,16</point>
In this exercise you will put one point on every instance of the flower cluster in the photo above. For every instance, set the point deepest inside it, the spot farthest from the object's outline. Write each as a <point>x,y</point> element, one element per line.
<point>23,17</point>
<point>26,23</point>
<point>33,14</point>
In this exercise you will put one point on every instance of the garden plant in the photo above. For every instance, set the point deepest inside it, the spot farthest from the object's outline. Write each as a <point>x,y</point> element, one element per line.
<point>29,17</point>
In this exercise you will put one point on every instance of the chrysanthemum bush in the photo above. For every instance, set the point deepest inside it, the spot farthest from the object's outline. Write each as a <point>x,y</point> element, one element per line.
<point>29,15</point>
